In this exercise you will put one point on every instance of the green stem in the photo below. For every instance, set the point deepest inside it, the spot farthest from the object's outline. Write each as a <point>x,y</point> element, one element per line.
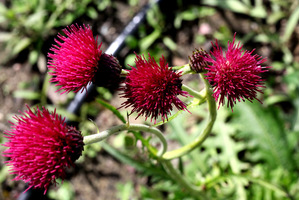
<point>204,134</point>
<point>131,127</point>
<point>179,67</point>
<point>186,69</point>
<point>45,89</point>
<point>180,179</point>
<point>199,95</point>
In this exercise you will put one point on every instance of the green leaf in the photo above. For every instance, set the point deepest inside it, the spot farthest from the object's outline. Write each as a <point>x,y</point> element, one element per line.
<point>103,4</point>
<point>259,12</point>
<point>170,43</point>
<point>129,61</point>
<point>132,42</point>
<point>35,21</point>
<point>4,171</point>
<point>112,109</point>
<point>21,45</point>
<point>291,24</point>
<point>239,178</point>
<point>192,13</point>
<point>64,192</point>
<point>194,103</point>
<point>147,41</point>
<point>235,6</point>
<point>274,17</point>
<point>265,129</point>
<point>274,99</point>
<point>33,56</point>
<point>92,13</point>
<point>5,37</point>
<point>155,18</point>
<point>27,94</point>
<point>225,143</point>
<point>125,191</point>
<point>178,132</point>
<point>141,166</point>
<point>3,9</point>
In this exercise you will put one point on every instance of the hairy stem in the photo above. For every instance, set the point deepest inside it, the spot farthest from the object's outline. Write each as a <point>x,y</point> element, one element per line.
<point>129,127</point>
<point>202,95</point>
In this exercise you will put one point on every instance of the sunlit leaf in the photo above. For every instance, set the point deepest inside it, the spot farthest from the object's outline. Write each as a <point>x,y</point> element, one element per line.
<point>21,45</point>
<point>26,94</point>
<point>291,24</point>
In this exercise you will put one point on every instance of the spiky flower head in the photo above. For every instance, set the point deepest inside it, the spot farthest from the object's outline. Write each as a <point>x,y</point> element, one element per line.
<point>41,147</point>
<point>234,75</point>
<point>152,89</point>
<point>197,60</point>
<point>76,58</point>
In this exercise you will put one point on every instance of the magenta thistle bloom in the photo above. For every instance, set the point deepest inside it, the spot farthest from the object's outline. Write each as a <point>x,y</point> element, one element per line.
<point>75,58</point>
<point>235,76</point>
<point>41,147</point>
<point>152,89</point>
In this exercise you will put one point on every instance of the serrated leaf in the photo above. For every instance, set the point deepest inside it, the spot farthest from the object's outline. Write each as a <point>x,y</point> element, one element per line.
<point>141,166</point>
<point>223,141</point>
<point>264,126</point>
<point>178,131</point>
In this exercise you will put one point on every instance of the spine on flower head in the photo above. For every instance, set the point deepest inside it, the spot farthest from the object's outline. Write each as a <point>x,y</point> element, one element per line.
<point>197,60</point>
<point>152,89</point>
<point>41,147</point>
<point>74,59</point>
<point>77,59</point>
<point>236,74</point>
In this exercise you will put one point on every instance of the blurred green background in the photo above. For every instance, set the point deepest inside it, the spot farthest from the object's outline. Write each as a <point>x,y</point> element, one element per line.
<point>252,152</point>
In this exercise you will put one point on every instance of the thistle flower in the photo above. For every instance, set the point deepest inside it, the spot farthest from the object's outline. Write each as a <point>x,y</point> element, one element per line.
<point>235,75</point>
<point>152,89</point>
<point>41,147</point>
<point>76,58</point>
<point>197,61</point>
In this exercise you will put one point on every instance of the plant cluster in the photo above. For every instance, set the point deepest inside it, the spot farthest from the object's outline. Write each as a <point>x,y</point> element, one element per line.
<point>42,146</point>
<point>238,151</point>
